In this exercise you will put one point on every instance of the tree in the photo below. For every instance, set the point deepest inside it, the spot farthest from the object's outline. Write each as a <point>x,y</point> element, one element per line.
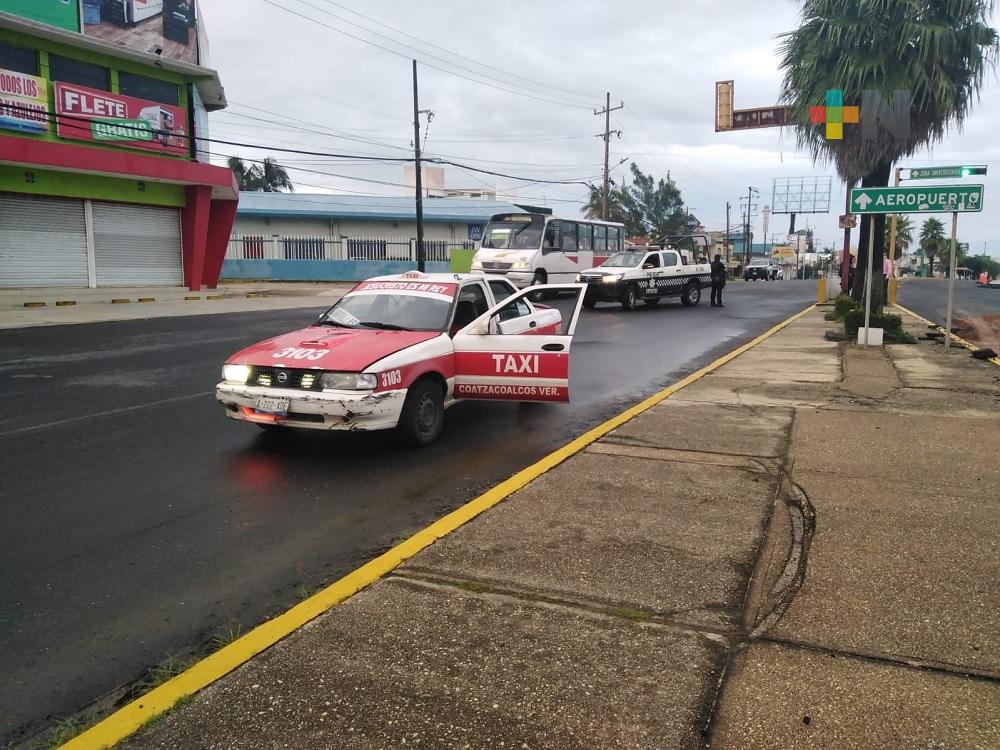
<point>932,240</point>
<point>979,263</point>
<point>938,50</point>
<point>273,177</point>
<point>245,174</point>
<point>266,176</point>
<point>904,233</point>
<point>616,207</point>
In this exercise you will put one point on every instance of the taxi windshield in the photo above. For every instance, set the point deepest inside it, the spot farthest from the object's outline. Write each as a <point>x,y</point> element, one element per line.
<point>520,233</point>
<point>393,312</point>
<point>626,259</point>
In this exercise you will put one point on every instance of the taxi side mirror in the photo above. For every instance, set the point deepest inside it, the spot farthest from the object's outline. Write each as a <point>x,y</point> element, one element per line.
<point>647,266</point>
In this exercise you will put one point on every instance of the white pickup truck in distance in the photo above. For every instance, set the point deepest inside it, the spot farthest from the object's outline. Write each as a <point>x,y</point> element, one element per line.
<point>647,275</point>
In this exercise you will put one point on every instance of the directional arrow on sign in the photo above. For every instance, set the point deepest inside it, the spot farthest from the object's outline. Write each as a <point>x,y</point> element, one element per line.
<point>863,201</point>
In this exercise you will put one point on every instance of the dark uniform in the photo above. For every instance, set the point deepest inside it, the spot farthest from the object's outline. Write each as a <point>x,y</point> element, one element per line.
<point>718,280</point>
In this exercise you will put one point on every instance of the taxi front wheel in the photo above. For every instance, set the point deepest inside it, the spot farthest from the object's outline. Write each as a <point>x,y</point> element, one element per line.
<point>422,418</point>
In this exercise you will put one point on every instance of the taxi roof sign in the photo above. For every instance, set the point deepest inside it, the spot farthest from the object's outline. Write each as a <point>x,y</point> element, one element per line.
<point>414,275</point>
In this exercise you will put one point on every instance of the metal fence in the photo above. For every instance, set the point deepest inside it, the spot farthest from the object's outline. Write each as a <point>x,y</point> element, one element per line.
<point>275,247</point>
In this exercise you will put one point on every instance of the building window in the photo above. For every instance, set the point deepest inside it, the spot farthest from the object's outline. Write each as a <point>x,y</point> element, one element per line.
<point>153,89</point>
<point>18,59</point>
<point>83,74</point>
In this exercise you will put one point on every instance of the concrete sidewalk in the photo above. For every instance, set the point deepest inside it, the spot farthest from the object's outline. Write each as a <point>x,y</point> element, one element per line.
<point>70,306</point>
<point>800,550</point>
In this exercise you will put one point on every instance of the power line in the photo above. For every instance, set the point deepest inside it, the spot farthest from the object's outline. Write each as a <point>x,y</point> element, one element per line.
<point>85,124</point>
<point>427,64</point>
<point>585,95</point>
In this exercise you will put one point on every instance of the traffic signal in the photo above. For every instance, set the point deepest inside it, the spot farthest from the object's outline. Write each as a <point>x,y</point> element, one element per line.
<point>969,171</point>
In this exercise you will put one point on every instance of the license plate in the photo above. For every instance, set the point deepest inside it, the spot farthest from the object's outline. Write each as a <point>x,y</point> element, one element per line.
<point>272,405</point>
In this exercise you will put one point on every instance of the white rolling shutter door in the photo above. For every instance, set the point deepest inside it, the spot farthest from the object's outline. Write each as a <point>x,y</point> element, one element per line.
<point>43,241</point>
<point>137,245</point>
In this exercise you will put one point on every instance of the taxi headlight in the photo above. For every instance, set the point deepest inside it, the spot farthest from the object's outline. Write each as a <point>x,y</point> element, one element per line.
<point>520,265</point>
<point>347,381</point>
<point>612,278</point>
<point>236,373</point>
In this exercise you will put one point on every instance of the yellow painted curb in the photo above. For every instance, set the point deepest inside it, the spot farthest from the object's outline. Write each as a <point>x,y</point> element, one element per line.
<point>967,344</point>
<point>133,716</point>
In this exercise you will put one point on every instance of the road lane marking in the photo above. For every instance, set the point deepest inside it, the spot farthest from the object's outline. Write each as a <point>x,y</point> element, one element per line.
<point>967,344</point>
<point>99,415</point>
<point>134,715</point>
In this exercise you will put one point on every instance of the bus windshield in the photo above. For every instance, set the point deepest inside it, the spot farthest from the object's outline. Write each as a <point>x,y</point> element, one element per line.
<point>516,232</point>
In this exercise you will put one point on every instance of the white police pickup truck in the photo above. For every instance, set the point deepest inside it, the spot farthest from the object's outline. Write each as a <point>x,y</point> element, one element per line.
<point>647,275</point>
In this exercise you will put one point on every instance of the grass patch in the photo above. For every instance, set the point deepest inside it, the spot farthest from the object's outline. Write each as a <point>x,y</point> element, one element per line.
<point>475,588</point>
<point>625,613</point>
<point>62,732</point>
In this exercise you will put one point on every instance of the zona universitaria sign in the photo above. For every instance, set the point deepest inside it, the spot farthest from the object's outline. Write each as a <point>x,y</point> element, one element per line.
<point>939,199</point>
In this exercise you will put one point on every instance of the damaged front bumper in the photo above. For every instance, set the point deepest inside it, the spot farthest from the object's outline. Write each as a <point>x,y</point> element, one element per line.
<point>325,410</point>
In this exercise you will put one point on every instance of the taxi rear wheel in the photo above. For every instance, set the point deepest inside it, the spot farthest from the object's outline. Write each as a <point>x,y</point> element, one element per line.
<point>422,418</point>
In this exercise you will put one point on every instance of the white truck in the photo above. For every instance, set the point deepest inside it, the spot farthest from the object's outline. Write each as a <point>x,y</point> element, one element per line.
<point>647,275</point>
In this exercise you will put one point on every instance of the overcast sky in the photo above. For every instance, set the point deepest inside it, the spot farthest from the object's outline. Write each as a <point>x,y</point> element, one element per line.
<point>324,91</point>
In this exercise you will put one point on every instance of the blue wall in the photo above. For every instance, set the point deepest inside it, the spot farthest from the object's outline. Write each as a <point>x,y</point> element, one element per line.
<point>321,270</point>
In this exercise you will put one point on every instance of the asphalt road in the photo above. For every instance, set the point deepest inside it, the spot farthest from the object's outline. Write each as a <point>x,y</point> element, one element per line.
<point>929,297</point>
<point>138,522</point>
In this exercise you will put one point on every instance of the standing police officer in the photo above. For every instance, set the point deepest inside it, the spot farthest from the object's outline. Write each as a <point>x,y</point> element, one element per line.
<point>718,281</point>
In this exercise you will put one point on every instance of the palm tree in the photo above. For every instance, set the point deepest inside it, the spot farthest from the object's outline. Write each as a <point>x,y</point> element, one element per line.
<point>273,177</point>
<point>932,240</point>
<point>904,233</point>
<point>616,210</point>
<point>245,174</point>
<point>938,50</point>
<point>266,176</point>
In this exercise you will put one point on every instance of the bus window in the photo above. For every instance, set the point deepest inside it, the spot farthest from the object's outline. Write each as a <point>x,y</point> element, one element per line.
<point>569,235</point>
<point>614,243</point>
<point>551,242</point>
<point>586,236</point>
<point>600,239</point>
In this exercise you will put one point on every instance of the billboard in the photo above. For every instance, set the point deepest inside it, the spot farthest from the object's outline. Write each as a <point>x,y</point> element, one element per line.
<point>165,27</point>
<point>62,13</point>
<point>87,114</point>
<point>24,102</point>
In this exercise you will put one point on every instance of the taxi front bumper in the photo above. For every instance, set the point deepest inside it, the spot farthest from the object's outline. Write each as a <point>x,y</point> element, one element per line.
<point>316,410</point>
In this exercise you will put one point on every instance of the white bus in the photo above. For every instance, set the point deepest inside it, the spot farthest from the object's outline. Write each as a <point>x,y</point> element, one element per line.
<point>533,249</point>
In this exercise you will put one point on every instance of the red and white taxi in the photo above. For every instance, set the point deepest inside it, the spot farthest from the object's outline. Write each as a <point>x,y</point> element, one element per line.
<point>396,351</point>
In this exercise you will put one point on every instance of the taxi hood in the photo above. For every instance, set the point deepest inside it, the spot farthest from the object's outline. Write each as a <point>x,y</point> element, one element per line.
<point>329,348</point>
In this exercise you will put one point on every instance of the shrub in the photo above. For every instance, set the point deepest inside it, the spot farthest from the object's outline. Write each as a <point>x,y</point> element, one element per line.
<point>855,319</point>
<point>844,304</point>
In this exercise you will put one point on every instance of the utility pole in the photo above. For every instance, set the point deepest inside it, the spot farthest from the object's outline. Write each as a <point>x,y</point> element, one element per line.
<point>416,164</point>
<point>727,237</point>
<point>608,109</point>
<point>845,261</point>
<point>747,224</point>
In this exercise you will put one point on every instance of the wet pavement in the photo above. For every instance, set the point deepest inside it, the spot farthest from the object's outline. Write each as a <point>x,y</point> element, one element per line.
<point>139,523</point>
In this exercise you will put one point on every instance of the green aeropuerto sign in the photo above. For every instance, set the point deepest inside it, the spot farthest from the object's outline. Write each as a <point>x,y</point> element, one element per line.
<point>939,199</point>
